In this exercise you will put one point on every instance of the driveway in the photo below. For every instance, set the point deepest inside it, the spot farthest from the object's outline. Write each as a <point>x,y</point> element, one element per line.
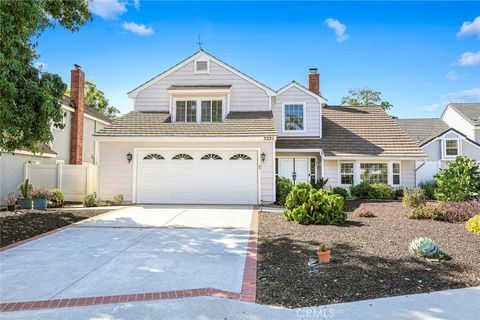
<point>134,250</point>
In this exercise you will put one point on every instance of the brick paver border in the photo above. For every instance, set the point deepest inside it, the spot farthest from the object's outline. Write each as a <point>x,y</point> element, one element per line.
<point>248,293</point>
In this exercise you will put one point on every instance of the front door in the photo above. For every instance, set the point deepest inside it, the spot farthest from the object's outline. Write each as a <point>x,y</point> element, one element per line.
<point>294,169</point>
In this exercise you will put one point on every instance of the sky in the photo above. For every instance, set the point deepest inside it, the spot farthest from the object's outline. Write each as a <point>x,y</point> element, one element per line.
<point>419,55</point>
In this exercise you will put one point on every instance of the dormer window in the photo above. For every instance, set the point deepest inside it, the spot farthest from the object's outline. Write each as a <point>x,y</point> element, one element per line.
<point>202,66</point>
<point>212,111</point>
<point>451,148</point>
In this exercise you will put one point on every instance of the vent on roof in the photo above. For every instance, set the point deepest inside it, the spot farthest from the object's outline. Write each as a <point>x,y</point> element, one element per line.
<point>202,66</point>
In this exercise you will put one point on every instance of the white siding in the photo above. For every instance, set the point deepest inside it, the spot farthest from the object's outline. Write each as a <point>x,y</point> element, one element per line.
<point>313,112</point>
<point>61,139</point>
<point>90,126</point>
<point>407,173</point>
<point>456,121</point>
<point>116,174</point>
<point>330,172</point>
<point>244,95</point>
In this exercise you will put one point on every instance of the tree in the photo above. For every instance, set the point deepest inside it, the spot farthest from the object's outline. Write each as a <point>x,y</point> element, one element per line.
<point>95,98</point>
<point>30,100</point>
<point>365,97</point>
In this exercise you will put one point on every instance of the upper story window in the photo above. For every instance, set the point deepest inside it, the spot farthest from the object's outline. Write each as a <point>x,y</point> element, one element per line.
<point>186,111</point>
<point>202,66</point>
<point>451,147</point>
<point>294,117</point>
<point>211,111</point>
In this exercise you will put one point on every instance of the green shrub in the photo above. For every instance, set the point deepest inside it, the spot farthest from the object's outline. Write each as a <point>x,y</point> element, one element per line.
<point>473,225</point>
<point>56,198</point>
<point>283,188</point>
<point>435,211</point>
<point>459,182</point>
<point>320,183</point>
<point>398,193</point>
<point>366,190</point>
<point>90,200</point>
<point>429,188</point>
<point>26,189</point>
<point>116,200</point>
<point>309,206</point>
<point>340,191</point>
<point>414,197</point>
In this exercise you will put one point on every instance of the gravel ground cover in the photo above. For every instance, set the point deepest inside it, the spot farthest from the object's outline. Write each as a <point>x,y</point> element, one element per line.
<point>23,224</point>
<point>370,258</point>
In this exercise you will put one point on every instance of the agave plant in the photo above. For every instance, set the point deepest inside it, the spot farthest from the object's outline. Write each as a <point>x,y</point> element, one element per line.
<point>424,247</point>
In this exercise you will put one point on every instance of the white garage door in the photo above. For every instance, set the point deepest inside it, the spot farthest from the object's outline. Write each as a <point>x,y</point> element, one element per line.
<point>197,176</point>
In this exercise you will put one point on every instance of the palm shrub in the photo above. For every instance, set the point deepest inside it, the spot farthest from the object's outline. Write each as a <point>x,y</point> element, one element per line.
<point>414,197</point>
<point>307,205</point>
<point>283,188</point>
<point>429,188</point>
<point>320,183</point>
<point>459,182</point>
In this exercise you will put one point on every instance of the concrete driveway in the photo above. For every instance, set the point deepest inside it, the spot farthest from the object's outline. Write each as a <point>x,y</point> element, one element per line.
<point>133,250</point>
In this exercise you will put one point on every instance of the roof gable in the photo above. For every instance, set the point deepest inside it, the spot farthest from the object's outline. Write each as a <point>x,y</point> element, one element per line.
<point>294,84</point>
<point>197,55</point>
<point>468,111</point>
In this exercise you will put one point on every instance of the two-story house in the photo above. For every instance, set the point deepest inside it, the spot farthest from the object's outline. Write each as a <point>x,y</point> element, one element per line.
<point>73,144</point>
<point>455,133</point>
<point>204,132</point>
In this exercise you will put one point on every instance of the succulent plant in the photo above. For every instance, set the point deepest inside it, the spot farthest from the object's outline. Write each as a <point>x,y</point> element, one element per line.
<point>322,247</point>
<point>25,189</point>
<point>424,247</point>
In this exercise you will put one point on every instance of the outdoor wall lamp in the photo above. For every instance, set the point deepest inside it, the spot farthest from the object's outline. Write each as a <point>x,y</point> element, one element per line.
<point>262,156</point>
<point>129,157</point>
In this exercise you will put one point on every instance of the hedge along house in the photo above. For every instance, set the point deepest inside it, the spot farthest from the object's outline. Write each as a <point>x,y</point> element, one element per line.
<point>204,132</point>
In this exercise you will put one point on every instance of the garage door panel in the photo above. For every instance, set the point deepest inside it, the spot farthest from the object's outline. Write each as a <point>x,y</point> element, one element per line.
<point>196,181</point>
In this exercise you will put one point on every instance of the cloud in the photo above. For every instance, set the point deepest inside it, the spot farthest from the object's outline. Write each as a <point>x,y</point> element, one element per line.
<point>467,95</point>
<point>139,29</point>
<point>136,4</point>
<point>452,75</point>
<point>338,28</point>
<point>108,9</point>
<point>470,28</point>
<point>40,65</point>
<point>469,59</point>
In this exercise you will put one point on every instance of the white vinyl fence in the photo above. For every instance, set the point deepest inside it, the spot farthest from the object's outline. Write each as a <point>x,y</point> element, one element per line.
<point>75,181</point>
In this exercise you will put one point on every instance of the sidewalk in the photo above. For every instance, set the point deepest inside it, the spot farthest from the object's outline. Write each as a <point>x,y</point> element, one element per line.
<point>461,304</point>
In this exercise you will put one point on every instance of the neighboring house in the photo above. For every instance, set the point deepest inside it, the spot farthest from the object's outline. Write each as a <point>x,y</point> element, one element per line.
<point>204,132</point>
<point>70,145</point>
<point>445,138</point>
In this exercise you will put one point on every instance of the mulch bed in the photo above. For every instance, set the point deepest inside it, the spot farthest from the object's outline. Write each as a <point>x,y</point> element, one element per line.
<point>23,224</point>
<point>370,258</point>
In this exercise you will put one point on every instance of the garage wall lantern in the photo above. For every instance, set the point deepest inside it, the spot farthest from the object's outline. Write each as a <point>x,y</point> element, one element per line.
<point>129,157</point>
<point>262,156</point>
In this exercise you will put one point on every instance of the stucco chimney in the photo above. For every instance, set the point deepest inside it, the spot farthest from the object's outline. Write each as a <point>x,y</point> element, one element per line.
<point>77,91</point>
<point>314,80</point>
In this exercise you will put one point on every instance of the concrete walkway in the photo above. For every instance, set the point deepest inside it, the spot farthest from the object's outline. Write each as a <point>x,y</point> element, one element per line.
<point>134,250</point>
<point>459,304</point>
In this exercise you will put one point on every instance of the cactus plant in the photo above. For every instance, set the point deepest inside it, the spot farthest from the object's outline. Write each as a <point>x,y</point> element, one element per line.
<point>424,247</point>
<point>25,189</point>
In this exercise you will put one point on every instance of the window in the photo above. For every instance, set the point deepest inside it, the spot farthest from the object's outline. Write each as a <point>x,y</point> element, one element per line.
<point>153,156</point>
<point>211,111</point>
<point>346,173</point>
<point>396,173</point>
<point>451,147</point>
<point>294,117</point>
<point>186,111</point>
<point>313,171</point>
<point>202,66</point>
<point>182,156</point>
<point>240,156</point>
<point>211,156</point>
<point>373,172</point>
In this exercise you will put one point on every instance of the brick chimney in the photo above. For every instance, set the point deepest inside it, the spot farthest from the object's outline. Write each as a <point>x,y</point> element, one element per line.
<point>314,80</point>
<point>77,91</point>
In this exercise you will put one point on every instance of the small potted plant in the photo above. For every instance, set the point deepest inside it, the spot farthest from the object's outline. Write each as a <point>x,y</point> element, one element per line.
<point>40,197</point>
<point>26,193</point>
<point>11,201</point>
<point>323,253</point>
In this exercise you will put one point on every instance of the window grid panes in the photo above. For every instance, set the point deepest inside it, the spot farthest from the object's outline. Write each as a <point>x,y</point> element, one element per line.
<point>396,173</point>
<point>186,111</point>
<point>276,166</point>
<point>346,173</point>
<point>211,111</point>
<point>202,66</point>
<point>313,176</point>
<point>451,147</point>
<point>294,117</point>
<point>373,172</point>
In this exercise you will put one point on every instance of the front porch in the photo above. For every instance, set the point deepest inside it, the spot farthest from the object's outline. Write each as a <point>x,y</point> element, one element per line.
<point>298,166</point>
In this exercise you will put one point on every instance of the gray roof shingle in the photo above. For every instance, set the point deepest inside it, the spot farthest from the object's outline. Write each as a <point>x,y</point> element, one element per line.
<point>423,130</point>
<point>88,110</point>
<point>159,124</point>
<point>470,111</point>
<point>358,132</point>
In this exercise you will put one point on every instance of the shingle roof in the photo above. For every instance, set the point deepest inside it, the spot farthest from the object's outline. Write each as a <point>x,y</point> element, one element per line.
<point>358,132</point>
<point>158,124</point>
<point>470,111</point>
<point>423,130</point>
<point>88,110</point>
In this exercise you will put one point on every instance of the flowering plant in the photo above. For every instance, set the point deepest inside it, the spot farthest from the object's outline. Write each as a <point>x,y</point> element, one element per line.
<point>42,193</point>
<point>11,199</point>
